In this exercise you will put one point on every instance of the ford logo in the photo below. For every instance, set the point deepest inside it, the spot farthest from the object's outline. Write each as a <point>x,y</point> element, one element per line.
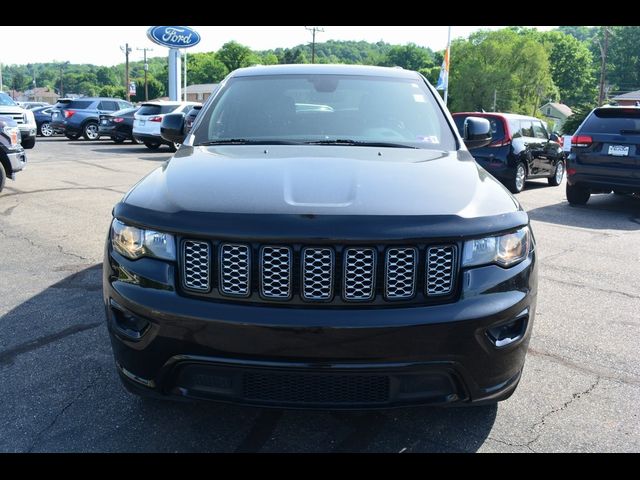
<point>174,37</point>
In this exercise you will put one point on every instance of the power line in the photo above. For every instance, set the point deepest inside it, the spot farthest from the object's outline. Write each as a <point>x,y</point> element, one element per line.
<point>313,31</point>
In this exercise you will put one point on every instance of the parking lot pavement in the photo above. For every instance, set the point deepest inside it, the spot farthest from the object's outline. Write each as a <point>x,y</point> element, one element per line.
<point>60,392</point>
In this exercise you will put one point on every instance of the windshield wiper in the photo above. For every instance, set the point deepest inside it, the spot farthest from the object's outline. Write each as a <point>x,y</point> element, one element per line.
<point>629,131</point>
<point>244,141</point>
<point>357,143</point>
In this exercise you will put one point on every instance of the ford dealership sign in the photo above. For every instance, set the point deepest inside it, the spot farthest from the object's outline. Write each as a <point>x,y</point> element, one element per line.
<point>174,37</point>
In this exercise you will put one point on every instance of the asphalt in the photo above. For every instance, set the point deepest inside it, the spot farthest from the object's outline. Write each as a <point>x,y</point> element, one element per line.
<point>60,392</point>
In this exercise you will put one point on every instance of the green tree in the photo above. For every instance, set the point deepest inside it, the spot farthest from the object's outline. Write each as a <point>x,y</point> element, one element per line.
<point>623,59</point>
<point>410,56</point>
<point>234,55</point>
<point>205,68</point>
<point>506,64</point>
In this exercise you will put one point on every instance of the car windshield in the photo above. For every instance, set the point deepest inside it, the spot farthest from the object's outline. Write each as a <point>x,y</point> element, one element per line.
<point>6,100</point>
<point>326,109</point>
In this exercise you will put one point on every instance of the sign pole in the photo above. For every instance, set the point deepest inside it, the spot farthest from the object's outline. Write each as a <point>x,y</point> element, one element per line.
<point>174,74</point>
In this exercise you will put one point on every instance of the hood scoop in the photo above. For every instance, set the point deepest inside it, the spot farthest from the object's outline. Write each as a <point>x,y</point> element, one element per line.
<point>316,184</point>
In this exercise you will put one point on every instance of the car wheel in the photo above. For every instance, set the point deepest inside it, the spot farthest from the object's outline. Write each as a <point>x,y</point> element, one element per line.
<point>516,185</point>
<point>135,141</point>
<point>577,195</point>
<point>72,136</point>
<point>151,145</point>
<point>29,143</point>
<point>45,129</point>
<point>3,176</point>
<point>174,146</point>
<point>90,131</point>
<point>558,175</point>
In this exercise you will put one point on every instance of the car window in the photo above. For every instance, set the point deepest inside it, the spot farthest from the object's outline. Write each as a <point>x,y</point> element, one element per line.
<point>78,104</point>
<point>156,109</point>
<point>526,128</point>
<point>324,108</point>
<point>123,105</point>
<point>108,105</point>
<point>186,109</point>
<point>614,121</point>
<point>6,100</point>
<point>539,131</point>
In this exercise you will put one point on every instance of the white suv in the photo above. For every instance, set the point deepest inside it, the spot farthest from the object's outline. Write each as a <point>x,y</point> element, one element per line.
<point>147,121</point>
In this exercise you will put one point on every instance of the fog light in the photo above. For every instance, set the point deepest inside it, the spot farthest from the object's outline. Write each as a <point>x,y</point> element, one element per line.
<point>130,325</point>
<point>508,333</point>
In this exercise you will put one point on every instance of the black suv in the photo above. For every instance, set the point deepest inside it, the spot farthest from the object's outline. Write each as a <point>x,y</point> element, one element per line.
<point>322,239</point>
<point>605,154</point>
<point>12,156</point>
<point>520,149</point>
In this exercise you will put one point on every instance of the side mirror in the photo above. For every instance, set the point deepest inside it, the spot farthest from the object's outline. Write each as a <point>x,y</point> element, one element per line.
<point>477,132</point>
<point>172,128</point>
<point>554,137</point>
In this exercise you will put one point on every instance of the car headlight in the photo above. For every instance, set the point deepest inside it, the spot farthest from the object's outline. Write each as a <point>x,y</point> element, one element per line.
<point>504,250</point>
<point>14,135</point>
<point>134,242</point>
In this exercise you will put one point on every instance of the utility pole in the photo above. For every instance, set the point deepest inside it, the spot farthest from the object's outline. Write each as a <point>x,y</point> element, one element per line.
<point>61,86</point>
<point>495,99</point>
<point>146,69</point>
<point>126,51</point>
<point>313,31</point>
<point>603,68</point>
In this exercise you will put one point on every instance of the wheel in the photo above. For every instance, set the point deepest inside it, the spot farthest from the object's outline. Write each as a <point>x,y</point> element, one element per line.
<point>516,185</point>
<point>90,131</point>
<point>174,146</point>
<point>152,145</point>
<point>3,176</point>
<point>556,179</point>
<point>29,143</point>
<point>118,140</point>
<point>135,141</point>
<point>45,129</point>
<point>577,195</point>
<point>72,136</point>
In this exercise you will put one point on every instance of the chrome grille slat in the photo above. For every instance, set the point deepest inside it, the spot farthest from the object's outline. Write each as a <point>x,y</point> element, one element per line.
<point>440,268</point>
<point>234,269</point>
<point>317,273</point>
<point>400,273</point>
<point>275,272</point>
<point>195,261</point>
<point>359,274</point>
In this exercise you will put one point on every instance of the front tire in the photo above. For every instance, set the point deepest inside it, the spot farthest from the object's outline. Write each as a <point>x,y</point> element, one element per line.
<point>152,145</point>
<point>45,129</point>
<point>577,195</point>
<point>29,143</point>
<point>516,185</point>
<point>558,174</point>
<point>3,176</point>
<point>90,131</point>
<point>174,146</point>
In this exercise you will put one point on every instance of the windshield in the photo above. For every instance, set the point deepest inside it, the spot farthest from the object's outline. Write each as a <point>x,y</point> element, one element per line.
<point>6,100</point>
<point>326,109</point>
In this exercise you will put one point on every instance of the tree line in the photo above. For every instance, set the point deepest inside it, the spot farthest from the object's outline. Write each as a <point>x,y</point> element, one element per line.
<point>515,69</point>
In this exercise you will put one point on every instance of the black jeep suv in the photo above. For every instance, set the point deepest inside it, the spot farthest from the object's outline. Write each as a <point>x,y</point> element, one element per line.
<point>322,239</point>
<point>605,154</point>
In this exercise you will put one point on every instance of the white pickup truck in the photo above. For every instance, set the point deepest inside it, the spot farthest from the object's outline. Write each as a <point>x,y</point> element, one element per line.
<point>22,116</point>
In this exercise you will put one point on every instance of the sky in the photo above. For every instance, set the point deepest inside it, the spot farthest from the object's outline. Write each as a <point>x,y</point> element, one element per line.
<point>104,48</point>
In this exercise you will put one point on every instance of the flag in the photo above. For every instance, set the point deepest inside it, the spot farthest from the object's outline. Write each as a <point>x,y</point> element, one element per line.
<point>443,79</point>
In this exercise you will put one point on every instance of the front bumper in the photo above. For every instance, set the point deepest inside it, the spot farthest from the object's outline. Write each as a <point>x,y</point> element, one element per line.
<point>27,131</point>
<point>169,345</point>
<point>17,161</point>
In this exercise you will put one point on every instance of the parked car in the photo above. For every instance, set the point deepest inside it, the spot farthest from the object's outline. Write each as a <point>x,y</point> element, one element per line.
<point>32,105</point>
<point>23,117</point>
<point>190,118</point>
<point>43,121</point>
<point>12,156</point>
<point>352,257</point>
<point>520,149</point>
<point>118,125</point>
<point>605,156</point>
<point>147,122</point>
<point>81,116</point>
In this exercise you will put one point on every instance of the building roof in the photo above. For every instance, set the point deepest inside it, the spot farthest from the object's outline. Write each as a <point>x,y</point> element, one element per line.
<point>202,88</point>
<point>561,107</point>
<point>633,96</point>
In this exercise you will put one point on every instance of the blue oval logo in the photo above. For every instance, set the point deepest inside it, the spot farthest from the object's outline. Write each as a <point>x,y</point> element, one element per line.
<point>174,37</point>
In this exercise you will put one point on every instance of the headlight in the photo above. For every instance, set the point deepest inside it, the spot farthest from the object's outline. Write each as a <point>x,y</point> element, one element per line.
<point>505,250</point>
<point>133,242</point>
<point>14,135</point>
